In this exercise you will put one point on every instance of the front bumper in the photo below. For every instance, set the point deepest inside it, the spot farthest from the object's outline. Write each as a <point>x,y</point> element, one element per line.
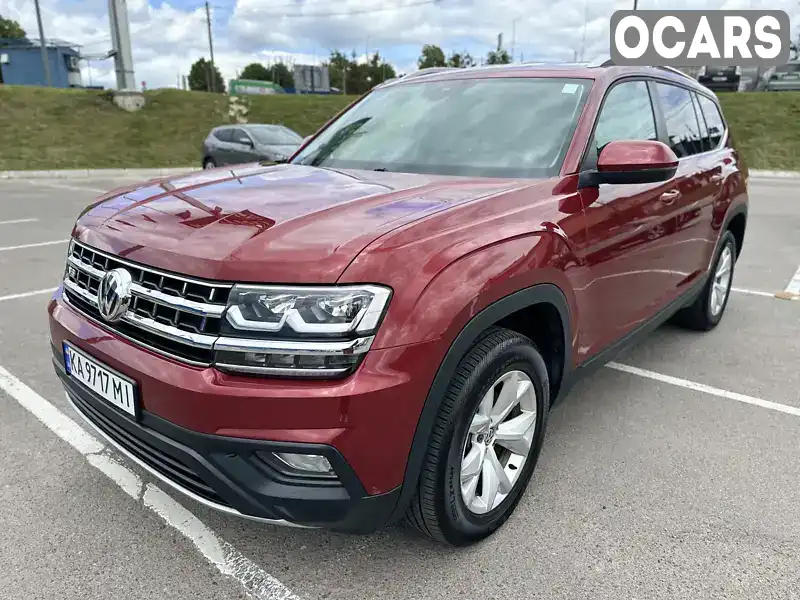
<point>199,430</point>
<point>227,475</point>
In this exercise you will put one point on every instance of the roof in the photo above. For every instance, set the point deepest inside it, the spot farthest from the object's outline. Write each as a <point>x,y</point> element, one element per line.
<point>605,70</point>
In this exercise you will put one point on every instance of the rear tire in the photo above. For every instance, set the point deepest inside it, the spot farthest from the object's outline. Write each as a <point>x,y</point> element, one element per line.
<point>478,445</point>
<point>706,311</point>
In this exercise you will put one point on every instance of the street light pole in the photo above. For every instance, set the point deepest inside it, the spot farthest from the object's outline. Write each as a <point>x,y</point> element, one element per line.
<point>43,46</point>
<point>635,4</point>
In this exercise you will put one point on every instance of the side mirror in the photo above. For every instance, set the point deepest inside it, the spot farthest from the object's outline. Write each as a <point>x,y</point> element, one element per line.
<point>245,141</point>
<point>631,162</point>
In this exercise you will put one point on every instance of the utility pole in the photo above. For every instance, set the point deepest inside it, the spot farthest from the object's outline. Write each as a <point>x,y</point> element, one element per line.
<point>513,37</point>
<point>121,44</point>
<point>212,70</point>
<point>635,4</point>
<point>43,46</point>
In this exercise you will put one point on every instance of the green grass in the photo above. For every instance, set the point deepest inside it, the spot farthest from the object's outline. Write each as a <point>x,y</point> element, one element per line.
<point>44,128</point>
<point>765,127</point>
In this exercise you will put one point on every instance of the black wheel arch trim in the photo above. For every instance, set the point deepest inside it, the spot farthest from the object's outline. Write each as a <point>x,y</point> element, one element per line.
<point>741,209</point>
<point>544,293</point>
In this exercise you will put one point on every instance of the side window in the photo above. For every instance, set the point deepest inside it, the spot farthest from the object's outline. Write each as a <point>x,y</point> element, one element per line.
<point>627,114</point>
<point>237,134</point>
<point>682,126</point>
<point>705,142</point>
<point>714,122</point>
<point>223,135</point>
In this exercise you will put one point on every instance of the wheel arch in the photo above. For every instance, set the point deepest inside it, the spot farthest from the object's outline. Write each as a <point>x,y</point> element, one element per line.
<point>539,294</point>
<point>736,223</point>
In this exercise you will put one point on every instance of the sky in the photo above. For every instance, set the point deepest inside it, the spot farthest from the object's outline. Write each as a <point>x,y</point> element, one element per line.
<point>167,37</point>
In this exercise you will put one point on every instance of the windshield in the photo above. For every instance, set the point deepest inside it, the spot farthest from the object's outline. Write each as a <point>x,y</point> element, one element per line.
<point>274,135</point>
<point>498,127</point>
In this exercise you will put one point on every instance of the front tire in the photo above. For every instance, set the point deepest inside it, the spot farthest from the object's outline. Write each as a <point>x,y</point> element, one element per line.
<point>209,163</point>
<point>706,311</point>
<point>485,441</point>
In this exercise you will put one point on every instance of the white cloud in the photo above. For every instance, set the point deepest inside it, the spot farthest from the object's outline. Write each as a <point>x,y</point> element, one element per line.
<point>167,38</point>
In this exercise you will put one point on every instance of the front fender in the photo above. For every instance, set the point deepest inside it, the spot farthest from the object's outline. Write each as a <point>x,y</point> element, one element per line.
<point>440,305</point>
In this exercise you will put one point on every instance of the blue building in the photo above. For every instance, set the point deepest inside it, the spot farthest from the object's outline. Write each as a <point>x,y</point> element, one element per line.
<point>21,63</point>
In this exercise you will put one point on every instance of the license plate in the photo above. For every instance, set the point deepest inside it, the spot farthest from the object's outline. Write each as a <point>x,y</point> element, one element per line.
<point>117,390</point>
<point>719,79</point>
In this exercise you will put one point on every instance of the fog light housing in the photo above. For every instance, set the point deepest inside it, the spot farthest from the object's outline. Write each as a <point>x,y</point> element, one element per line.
<point>312,464</point>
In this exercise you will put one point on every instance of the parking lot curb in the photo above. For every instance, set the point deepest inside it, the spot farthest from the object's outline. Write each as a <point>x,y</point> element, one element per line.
<point>96,173</point>
<point>775,174</point>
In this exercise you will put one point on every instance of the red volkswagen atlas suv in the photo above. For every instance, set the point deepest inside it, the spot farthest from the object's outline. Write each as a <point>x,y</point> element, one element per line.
<point>378,328</point>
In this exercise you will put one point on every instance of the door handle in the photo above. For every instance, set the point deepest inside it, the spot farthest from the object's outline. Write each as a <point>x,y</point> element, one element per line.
<point>670,196</point>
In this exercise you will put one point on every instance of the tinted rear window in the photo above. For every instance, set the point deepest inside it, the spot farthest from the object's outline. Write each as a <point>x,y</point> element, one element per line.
<point>223,135</point>
<point>713,119</point>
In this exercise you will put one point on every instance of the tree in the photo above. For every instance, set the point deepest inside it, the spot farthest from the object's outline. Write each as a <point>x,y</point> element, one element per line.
<point>460,61</point>
<point>11,29</point>
<point>200,74</point>
<point>432,56</point>
<point>257,72</point>
<point>498,57</point>
<point>357,78</point>
<point>280,74</point>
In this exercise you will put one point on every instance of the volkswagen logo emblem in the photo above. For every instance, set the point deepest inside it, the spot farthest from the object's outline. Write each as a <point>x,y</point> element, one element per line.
<point>114,294</point>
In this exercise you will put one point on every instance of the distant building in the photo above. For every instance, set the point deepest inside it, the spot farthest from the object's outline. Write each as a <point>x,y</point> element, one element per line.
<point>21,63</point>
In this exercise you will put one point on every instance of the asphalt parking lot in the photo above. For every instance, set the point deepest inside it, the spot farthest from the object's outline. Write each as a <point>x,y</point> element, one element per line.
<point>649,486</point>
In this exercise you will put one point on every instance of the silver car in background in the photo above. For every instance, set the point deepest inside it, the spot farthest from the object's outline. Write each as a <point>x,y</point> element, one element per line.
<point>236,144</point>
<point>785,78</point>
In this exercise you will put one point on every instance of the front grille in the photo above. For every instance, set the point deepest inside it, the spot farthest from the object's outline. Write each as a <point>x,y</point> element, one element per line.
<point>177,316</point>
<point>165,464</point>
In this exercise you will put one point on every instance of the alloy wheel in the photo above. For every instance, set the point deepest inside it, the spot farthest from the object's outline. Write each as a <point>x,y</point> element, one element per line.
<point>721,284</point>
<point>499,442</point>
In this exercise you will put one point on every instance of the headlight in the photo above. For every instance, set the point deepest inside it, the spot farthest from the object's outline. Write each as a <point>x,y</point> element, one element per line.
<point>297,331</point>
<point>702,72</point>
<point>738,70</point>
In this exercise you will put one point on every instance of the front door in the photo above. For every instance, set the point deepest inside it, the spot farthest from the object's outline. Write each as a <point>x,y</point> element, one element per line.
<point>628,267</point>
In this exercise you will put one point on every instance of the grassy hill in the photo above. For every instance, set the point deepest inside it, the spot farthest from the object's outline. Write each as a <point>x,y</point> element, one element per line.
<point>44,128</point>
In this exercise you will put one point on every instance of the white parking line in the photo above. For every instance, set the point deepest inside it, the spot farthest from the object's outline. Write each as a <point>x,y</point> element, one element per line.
<point>38,244</point>
<point>27,294</point>
<point>17,221</point>
<point>224,557</point>
<point>65,186</point>
<point>794,284</point>
<point>707,389</point>
<point>752,292</point>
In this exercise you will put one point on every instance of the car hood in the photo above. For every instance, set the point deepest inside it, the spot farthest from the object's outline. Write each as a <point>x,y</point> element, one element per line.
<point>285,149</point>
<point>278,224</point>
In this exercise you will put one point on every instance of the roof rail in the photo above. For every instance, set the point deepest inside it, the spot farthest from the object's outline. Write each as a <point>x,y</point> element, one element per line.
<point>428,71</point>
<point>610,63</point>
<point>557,63</point>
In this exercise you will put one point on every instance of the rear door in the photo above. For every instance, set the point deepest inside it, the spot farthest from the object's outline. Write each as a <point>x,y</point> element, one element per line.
<point>627,227</point>
<point>222,146</point>
<point>697,184</point>
<point>722,165</point>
